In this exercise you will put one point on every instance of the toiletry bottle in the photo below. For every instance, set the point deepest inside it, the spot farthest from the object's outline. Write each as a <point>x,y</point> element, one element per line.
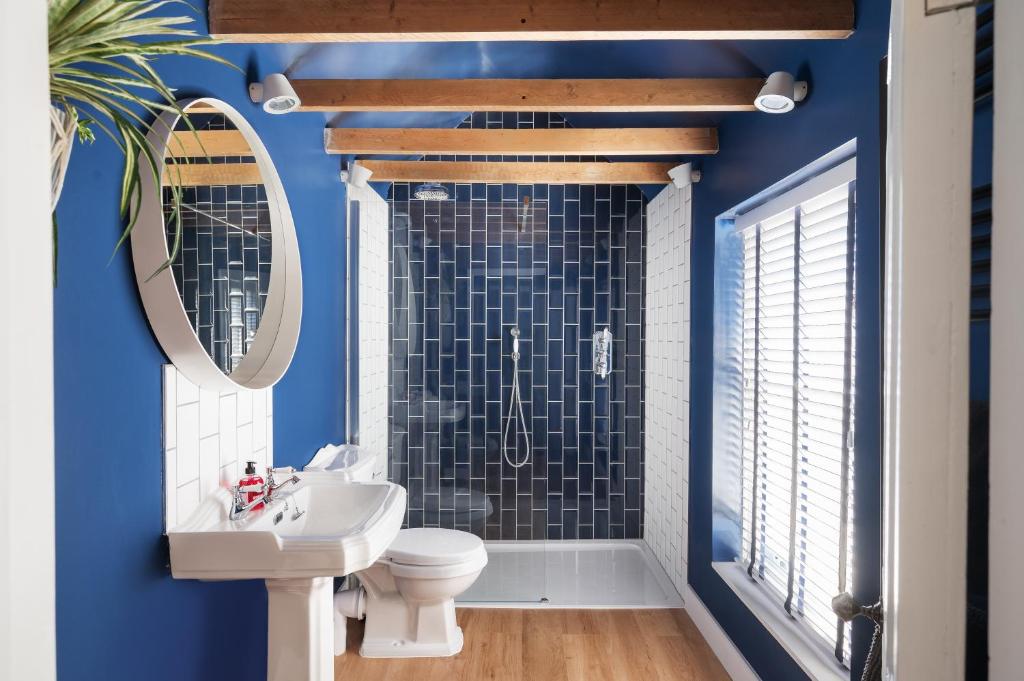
<point>253,481</point>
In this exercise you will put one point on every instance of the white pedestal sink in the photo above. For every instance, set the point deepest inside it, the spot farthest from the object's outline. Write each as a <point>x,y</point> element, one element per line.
<point>319,529</point>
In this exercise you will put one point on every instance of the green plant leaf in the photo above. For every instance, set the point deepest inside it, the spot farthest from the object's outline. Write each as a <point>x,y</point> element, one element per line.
<point>100,62</point>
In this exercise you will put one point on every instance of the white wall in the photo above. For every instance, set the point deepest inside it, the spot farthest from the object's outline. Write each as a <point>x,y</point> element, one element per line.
<point>208,437</point>
<point>373,323</point>
<point>667,380</point>
<point>927,304</point>
<point>1006,473</point>
<point>27,579</point>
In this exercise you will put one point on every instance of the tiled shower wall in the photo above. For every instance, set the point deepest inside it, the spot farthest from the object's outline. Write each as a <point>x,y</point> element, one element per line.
<point>667,380</point>
<point>462,274</point>
<point>373,322</point>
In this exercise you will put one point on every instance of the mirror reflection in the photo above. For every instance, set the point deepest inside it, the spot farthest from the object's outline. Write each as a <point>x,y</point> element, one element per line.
<point>222,269</point>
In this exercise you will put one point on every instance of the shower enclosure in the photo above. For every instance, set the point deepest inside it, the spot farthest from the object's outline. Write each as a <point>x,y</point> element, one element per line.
<point>557,262</point>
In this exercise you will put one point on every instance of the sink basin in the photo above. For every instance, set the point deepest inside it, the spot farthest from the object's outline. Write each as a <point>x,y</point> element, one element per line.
<point>343,527</point>
<point>320,528</point>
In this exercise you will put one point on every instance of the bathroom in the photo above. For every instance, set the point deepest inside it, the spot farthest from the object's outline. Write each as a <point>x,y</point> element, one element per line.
<point>498,273</point>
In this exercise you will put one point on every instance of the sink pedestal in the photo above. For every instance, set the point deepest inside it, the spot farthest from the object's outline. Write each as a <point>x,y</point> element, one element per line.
<point>300,631</point>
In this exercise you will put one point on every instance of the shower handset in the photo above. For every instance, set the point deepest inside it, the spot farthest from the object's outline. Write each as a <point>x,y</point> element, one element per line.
<point>515,400</point>
<point>603,352</point>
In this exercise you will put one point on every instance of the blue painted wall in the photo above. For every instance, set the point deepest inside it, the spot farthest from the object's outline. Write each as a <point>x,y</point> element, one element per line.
<point>120,615</point>
<point>757,151</point>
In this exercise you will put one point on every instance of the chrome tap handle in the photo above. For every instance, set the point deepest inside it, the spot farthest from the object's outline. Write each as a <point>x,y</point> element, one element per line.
<point>236,492</point>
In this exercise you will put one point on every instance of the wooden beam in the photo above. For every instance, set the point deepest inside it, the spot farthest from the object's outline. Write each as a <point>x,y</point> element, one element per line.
<point>552,141</point>
<point>311,21</point>
<point>482,94</point>
<point>523,173</point>
<point>201,143</point>
<point>203,174</point>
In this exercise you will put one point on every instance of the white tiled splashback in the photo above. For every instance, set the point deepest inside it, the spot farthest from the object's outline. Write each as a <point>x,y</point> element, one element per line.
<point>373,324</point>
<point>667,380</point>
<point>208,437</point>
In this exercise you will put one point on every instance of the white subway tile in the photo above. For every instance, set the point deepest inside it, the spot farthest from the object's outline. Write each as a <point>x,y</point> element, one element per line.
<point>230,475</point>
<point>244,406</point>
<point>228,429</point>
<point>209,464</point>
<point>188,442</point>
<point>245,448</point>
<point>170,406</point>
<point>259,419</point>
<point>209,413</point>
<point>188,498</point>
<point>187,391</point>
<point>170,485</point>
<point>270,441</point>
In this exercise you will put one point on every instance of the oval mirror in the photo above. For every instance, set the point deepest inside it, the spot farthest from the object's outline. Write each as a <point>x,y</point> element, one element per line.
<point>226,310</point>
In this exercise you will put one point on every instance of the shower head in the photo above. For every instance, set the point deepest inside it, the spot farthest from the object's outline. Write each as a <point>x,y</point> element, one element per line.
<point>430,191</point>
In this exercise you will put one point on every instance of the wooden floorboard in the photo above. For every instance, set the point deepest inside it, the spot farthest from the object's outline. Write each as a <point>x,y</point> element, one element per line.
<point>553,645</point>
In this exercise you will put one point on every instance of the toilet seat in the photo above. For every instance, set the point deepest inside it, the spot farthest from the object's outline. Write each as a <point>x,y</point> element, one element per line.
<point>435,553</point>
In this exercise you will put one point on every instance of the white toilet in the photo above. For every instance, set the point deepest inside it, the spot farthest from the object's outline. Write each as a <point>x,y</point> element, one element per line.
<point>408,595</point>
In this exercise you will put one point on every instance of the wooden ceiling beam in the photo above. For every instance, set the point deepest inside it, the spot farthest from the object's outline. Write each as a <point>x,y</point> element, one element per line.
<point>310,21</point>
<point>189,144</point>
<point>616,95</point>
<point>550,141</point>
<point>520,172</point>
<point>206,174</point>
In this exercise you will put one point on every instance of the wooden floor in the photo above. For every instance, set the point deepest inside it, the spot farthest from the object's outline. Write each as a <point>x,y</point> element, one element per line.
<point>553,645</point>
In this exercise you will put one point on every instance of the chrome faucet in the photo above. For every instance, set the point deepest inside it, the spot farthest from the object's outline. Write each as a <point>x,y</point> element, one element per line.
<point>272,486</point>
<point>240,508</point>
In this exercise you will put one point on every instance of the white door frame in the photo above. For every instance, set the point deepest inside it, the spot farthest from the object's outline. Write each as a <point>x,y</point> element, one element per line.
<point>27,571</point>
<point>927,323</point>
<point>1006,427</point>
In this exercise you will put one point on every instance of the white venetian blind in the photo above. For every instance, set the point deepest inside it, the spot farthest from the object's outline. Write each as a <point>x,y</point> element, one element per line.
<point>798,368</point>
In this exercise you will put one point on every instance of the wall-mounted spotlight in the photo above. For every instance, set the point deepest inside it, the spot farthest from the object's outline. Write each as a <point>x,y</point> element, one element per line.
<point>684,175</point>
<point>275,93</point>
<point>356,174</point>
<point>780,93</point>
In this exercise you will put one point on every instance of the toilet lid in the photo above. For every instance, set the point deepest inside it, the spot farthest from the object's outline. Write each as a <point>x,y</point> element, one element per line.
<point>434,546</point>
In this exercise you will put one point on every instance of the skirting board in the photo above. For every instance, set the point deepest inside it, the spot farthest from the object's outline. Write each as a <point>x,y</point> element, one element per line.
<point>728,654</point>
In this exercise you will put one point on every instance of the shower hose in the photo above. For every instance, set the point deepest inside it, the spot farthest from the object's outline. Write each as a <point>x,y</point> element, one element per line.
<point>516,399</point>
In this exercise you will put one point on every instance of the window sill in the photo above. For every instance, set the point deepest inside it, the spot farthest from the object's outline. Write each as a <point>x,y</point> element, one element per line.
<point>805,650</point>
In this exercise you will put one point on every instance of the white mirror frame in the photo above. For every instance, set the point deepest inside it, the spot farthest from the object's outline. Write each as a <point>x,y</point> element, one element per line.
<point>274,345</point>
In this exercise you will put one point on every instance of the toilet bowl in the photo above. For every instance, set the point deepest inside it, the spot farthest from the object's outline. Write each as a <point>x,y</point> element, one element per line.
<point>410,593</point>
<point>408,596</point>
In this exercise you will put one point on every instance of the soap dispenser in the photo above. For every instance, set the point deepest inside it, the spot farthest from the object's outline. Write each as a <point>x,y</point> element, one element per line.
<point>253,482</point>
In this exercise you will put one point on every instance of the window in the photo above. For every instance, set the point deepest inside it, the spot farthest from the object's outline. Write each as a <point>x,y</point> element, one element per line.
<point>795,358</point>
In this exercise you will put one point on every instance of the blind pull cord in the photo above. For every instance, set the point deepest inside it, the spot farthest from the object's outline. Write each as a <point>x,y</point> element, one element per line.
<point>847,609</point>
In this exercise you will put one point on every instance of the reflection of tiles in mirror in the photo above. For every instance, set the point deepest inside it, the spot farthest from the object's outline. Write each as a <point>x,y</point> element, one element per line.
<point>223,267</point>
<point>571,574</point>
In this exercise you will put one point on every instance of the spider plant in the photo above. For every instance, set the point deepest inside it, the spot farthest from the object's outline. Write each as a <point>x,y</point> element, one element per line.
<point>102,78</point>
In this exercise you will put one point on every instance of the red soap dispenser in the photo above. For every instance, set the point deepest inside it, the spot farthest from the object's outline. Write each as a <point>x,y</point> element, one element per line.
<point>251,480</point>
